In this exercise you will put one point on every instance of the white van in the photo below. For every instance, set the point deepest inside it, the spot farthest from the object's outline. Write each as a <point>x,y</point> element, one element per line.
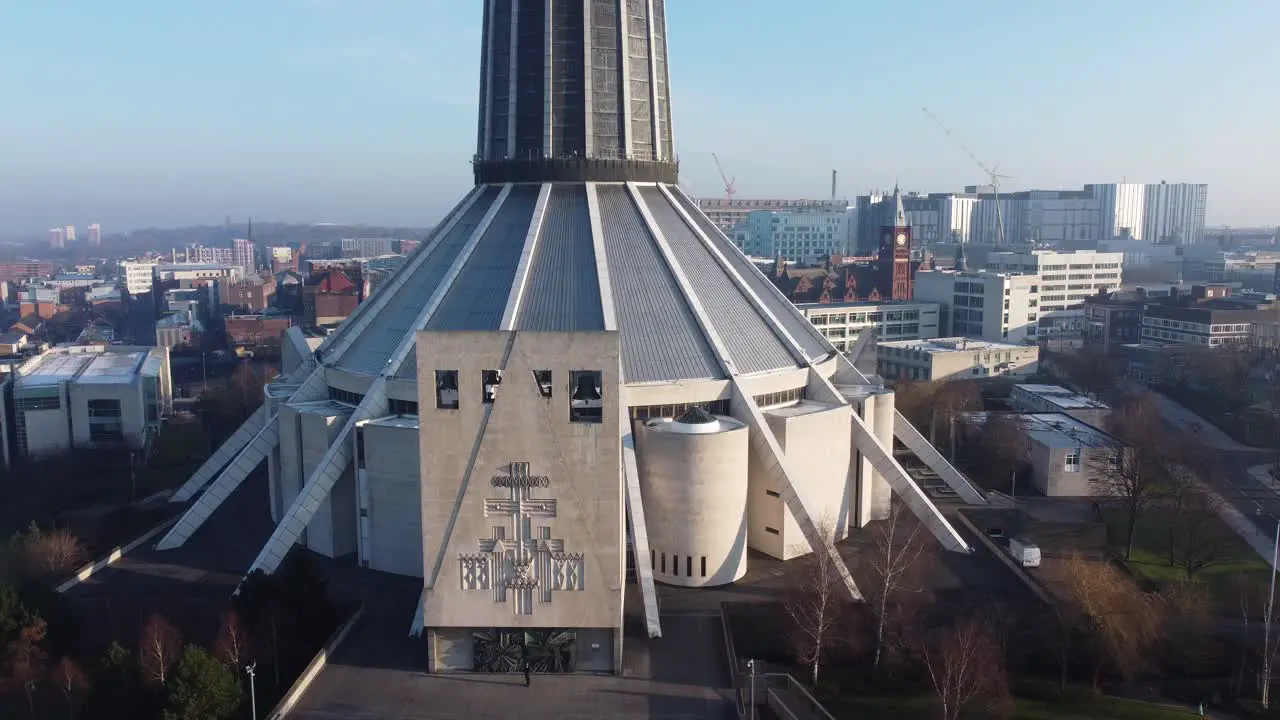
<point>1024,552</point>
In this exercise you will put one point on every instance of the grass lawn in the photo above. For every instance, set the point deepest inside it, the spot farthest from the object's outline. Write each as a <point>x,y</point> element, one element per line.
<point>1150,558</point>
<point>921,708</point>
<point>179,451</point>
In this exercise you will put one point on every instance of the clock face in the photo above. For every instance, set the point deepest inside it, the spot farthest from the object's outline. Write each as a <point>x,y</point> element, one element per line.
<point>902,238</point>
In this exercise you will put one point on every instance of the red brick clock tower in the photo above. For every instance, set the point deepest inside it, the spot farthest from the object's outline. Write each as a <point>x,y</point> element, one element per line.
<point>895,253</point>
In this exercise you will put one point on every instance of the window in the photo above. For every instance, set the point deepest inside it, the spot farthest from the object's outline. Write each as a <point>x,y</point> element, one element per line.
<point>402,407</point>
<point>1072,462</point>
<point>489,382</point>
<point>688,566</point>
<point>543,379</point>
<point>585,402</point>
<point>447,389</point>
<point>360,456</point>
<point>653,559</point>
<point>771,531</point>
<point>664,562</point>
<point>704,566</point>
<point>773,493</point>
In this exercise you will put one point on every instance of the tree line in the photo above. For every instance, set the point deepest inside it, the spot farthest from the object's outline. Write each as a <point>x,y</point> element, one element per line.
<point>47,669</point>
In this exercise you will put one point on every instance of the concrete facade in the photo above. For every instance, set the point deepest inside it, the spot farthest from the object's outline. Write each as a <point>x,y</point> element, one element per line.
<point>813,436</point>
<point>694,481</point>
<point>520,472</point>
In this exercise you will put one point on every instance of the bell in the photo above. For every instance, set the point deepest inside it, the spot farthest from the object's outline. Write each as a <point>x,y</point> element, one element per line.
<point>586,389</point>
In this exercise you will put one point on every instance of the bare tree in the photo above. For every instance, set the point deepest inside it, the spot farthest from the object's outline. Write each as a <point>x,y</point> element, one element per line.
<point>50,553</point>
<point>1121,620</point>
<point>899,567</point>
<point>71,681</point>
<point>952,399</point>
<point>1006,449</point>
<point>814,604</point>
<point>1198,540</point>
<point>1134,467</point>
<point>158,649</point>
<point>26,660</point>
<point>232,646</point>
<point>965,665</point>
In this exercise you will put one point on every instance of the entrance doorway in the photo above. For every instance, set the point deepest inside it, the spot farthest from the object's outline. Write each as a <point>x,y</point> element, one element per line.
<point>504,650</point>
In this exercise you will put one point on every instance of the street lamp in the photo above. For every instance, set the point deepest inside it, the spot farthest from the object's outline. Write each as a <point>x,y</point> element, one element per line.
<point>751,665</point>
<point>253,690</point>
<point>1266,640</point>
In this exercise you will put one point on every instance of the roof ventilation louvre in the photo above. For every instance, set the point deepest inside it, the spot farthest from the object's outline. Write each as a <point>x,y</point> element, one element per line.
<point>695,416</point>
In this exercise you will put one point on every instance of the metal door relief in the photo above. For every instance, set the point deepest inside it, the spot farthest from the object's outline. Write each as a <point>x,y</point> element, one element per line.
<point>521,560</point>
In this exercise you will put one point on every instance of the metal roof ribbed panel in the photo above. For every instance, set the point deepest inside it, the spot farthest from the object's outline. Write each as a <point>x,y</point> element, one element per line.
<point>370,351</point>
<point>563,290</point>
<point>661,339</point>
<point>804,333</point>
<point>748,337</point>
<point>478,296</point>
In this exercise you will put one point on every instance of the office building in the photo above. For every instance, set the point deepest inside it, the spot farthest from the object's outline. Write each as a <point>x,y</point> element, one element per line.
<point>955,358</point>
<point>579,374</point>
<point>205,255</point>
<point>138,275</point>
<point>1113,319</point>
<point>57,238</point>
<point>1209,324</point>
<point>87,396</point>
<point>94,235</point>
<point>69,232</point>
<point>1171,213</point>
<point>993,306</point>
<point>801,236</point>
<point>367,247</point>
<point>842,322</point>
<point>729,213</point>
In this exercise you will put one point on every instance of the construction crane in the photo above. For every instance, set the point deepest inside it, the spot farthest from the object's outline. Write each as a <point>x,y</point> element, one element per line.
<point>729,188</point>
<point>992,172</point>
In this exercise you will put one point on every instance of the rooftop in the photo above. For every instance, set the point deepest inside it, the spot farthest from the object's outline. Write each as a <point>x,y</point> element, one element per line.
<point>948,345</point>
<point>1062,397</point>
<point>83,364</point>
<point>1056,430</point>
<point>863,304</point>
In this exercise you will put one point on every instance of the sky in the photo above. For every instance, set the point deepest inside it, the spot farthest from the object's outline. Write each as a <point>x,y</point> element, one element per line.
<point>156,113</point>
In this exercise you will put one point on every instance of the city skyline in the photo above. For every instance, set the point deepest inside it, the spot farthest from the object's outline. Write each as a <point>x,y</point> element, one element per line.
<point>329,111</point>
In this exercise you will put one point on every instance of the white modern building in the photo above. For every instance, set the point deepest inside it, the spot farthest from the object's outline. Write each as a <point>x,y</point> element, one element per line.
<point>86,396</point>
<point>956,358</point>
<point>578,372</point>
<point>841,322</point>
<point>1156,212</point>
<point>1021,295</point>
<point>197,271</point>
<point>138,275</point>
<point>994,306</point>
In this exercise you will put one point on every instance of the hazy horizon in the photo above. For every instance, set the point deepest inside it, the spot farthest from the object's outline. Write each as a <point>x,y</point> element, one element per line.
<point>154,114</point>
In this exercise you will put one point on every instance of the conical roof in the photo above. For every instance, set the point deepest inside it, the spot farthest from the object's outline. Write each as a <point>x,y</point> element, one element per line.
<point>581,257</point>
<point>696,416</point>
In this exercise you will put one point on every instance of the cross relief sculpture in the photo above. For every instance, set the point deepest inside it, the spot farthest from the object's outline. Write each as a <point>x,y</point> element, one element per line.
<point>521,560</point>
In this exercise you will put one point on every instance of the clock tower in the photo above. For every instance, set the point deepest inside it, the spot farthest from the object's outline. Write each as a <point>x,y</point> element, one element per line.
<point>894,265</point>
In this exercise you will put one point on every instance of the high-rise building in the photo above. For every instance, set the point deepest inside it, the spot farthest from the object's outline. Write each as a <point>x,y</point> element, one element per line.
<point>579,374</point>
<point>1070,219</point>
<point>57,237</point>
<point>69,232</point>
<point>242,254</point>
<point>206,255</point>
<point>94,237</point>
